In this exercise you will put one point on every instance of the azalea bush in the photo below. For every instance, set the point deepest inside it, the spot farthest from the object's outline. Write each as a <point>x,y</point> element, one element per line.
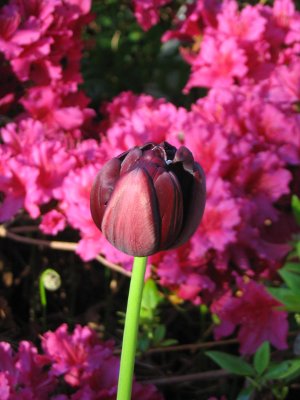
<point>82,82</point>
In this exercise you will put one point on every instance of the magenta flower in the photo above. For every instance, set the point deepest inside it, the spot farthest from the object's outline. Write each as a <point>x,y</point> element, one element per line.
<point>149,198</point>
<point>256,313</point>
<point>147,12</point>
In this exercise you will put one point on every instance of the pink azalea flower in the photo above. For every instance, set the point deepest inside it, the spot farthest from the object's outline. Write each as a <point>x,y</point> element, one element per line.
<point>220,221</point>
<point>69,353</point>
<point>207,141</point>
<point>52,222</point>
<point>246,26</point>
<point>179,270</point>
<point>133,120</point>
<point>145,392</point>
<point>147,11</point>
<point>75,196</point>
<point>44,104</point>
<point>88,364</point>
<point>53,164</point>
<point>83,5</point>
<point>22,375</point>
<point>218,63</point>
<point>256,314</point>
<point>266,177</point>
<point>14,33</point>
<point>285,84</point>
<point>5,388</point>
<point>23,135</point>
<point>16,177</point>
<point>189,27</point>
<point>283,12</point>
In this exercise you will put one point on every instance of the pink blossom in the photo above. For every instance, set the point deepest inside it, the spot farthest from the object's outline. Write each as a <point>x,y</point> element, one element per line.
<point>83,5</point>
<point>44,104</point>
<point>180,271</point>
<point>219,225</point>
<point>266,177</point>
<point>88,364</point>
<point>283,12</point>
<point>53,222</point>
<point>14,33</point>
<point>219,62</point>
<point>147,11</point>
<point>19,136</point>
<point>257,315</point>
<point>246,26</point>
<point>133,120</point>
<point>22,375</point>
<point>198,15</point>
<point>70,353</point>
<point>145,392</point>
<point>5,392</point>
<point>285,84</point>
<point>53,164</point>
<point>206,140</point>
<point>15,178</point>
<point>75,196</point>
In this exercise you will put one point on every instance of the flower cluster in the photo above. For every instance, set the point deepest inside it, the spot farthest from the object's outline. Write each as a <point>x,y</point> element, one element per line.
<point>77,363</point>
<point>245,133</point>
<point>256,313</point>
<point>232,46</point>
<point>46,116</point>
<point>147,12</point>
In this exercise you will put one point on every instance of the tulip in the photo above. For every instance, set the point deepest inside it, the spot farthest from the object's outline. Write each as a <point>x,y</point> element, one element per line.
<point>148,199</point>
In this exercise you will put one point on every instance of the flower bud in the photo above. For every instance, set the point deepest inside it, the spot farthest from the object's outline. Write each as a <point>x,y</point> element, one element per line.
<point>148,199</point>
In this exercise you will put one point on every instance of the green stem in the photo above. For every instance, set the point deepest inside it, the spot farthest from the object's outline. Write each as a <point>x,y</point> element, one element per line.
<point>131,328</point>
<point>43,298</point>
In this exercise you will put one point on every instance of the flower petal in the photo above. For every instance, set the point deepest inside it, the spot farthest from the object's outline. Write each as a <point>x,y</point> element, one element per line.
<point>102,188</point>
<point>170,202</point>
<point>194,208</point>
<point>131,222</point>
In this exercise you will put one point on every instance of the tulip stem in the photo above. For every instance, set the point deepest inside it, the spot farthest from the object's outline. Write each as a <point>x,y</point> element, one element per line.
<point>131,328</point>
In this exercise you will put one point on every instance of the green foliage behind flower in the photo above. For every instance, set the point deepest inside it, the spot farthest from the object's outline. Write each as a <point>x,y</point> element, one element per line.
<point>124,57</point>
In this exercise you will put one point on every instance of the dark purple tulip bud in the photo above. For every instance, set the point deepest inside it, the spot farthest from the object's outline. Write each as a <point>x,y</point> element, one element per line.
<point>148,199</point>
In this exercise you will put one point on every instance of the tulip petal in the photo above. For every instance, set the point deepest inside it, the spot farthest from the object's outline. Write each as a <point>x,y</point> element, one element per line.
<point>170,202</point>
<point>184,156</point>
<point>131,158</point>
<point>131,221</point>
<point>194,207</point>
<point>102,188</point>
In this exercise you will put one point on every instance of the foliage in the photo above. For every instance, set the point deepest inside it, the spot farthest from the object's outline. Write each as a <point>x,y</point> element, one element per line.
<point>262,374</point>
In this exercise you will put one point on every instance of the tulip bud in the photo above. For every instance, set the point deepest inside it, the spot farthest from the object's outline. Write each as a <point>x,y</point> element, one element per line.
<point>148,199</point>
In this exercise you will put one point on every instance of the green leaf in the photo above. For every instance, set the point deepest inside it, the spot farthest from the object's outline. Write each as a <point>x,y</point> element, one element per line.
<point>168,342</point>
<point>159,333</point>
<point>290,300</point>
<point>297,246</point>
<point>246,393</point>
<point>276,370</point>
<point>287,370</point>
<point>292,280</point>
<point>262,358</point>
<point>296,207</point>
<point>292,267</point>
<point>293,370</point>
<point>150,300</point>
<point>151,295</point>
<point>143,344</point>
<point>233,364</point>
